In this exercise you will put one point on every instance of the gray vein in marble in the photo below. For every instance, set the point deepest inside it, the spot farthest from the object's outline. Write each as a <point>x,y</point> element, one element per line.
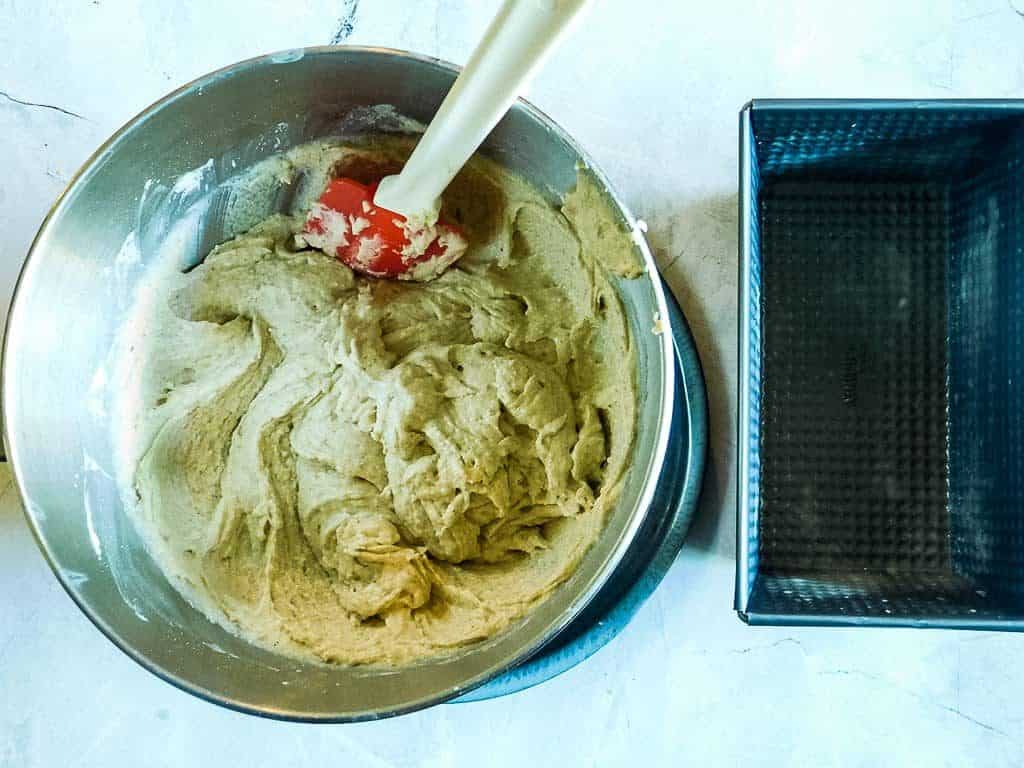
<point>678,255</point>
<point>756,648</point>
<point>913,694</point>
<point>983,15</point>
<point>776,644</point>
<point>37,105</point>
<point>347,23</point>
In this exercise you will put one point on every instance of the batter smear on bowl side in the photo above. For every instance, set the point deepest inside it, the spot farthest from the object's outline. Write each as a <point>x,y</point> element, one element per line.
<point>368,471</point>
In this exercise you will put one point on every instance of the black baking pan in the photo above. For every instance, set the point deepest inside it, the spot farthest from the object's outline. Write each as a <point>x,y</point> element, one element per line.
<point>881,363</point>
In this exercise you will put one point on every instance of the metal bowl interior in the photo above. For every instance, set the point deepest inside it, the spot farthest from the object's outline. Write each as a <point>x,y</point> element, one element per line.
<point>188,150</point>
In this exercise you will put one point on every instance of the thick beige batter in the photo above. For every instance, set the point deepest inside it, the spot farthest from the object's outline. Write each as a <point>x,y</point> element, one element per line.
<point>364,471</point>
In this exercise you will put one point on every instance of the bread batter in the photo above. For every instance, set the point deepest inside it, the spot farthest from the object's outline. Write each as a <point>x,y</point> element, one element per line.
<point>367,471</point>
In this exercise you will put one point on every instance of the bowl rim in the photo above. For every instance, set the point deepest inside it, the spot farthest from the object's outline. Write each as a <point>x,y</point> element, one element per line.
<point>643,504</point>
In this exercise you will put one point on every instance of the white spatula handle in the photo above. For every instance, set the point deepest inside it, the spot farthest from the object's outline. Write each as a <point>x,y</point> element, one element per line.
<point>512,49</point>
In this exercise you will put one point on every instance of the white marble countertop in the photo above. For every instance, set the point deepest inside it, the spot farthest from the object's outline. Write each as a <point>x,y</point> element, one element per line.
<point>651,88</point>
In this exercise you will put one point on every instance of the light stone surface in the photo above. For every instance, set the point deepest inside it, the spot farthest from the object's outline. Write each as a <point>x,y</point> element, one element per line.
<point>651,89</point>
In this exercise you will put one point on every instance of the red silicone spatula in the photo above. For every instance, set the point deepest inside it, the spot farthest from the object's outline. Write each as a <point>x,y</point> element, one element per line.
<point>392,229</point>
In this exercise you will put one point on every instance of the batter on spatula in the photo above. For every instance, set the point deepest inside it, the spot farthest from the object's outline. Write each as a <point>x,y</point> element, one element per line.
<point>373,471</point>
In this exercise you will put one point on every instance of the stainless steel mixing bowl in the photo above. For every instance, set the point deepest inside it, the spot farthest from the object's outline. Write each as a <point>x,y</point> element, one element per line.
<point>187,153</point>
